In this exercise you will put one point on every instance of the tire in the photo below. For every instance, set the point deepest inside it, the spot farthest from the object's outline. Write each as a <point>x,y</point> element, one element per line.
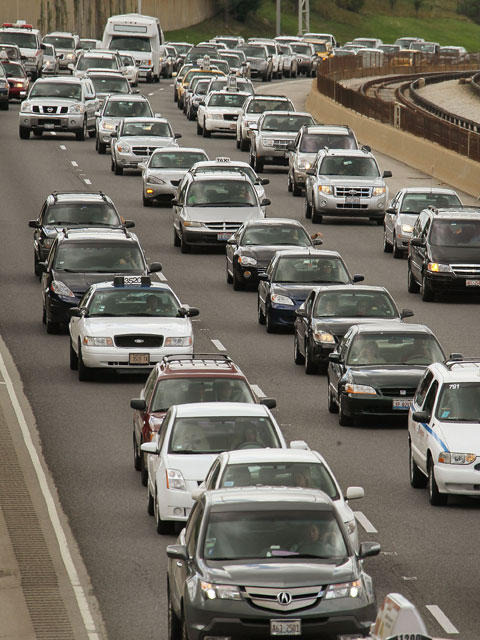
<point>36,268</point>
<point>265,77</point>
<point>317,218</point>
<point>259,165</point>
<point>146,202</point>
<point>436,498</point>
<point>397,253</point>
<point>237,142</point>
<point>4,106</point>
<point>310,366</point>
<point>332,405</point>
<point>176,239</point>
<point>84,373</point>
<point>112,165</point>
<point>24,133</point>
<point>37,133</point>
<point>270,326</point>
<point>73,358</point>
<point>244,144</point>
<point>82,134</point>
<point>229,277</point>
<point>427,291</point>
<point>412,284</point>
<point>150,504</point>
<point>379,221</point>
<point>298,357</point>
<point>289,184</point>
<point>101,148</point>
<point>417,479</point>
<point>118,170</point>
<point>206,134</point>
<point>343,420</point>
<point>175,96</point>
<point>260,314</point>
<point>162,526</point>
<point>308,209</point>
<point>238,285</point>
<point>92,133</point>
<point>137,455</point>
<point>199,129</point>
<point>296,190</point>
<point>387,247</point>
<point>51,327</point>
<point>184,246</point>
<point>251,159</point>
<point>143,470</point>
<point>175,630</point>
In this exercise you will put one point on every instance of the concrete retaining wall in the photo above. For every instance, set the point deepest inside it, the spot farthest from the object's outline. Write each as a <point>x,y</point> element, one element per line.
<point>446,166</point>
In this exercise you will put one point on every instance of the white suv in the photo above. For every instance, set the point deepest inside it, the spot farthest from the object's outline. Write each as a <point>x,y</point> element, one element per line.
<point>443,430</point>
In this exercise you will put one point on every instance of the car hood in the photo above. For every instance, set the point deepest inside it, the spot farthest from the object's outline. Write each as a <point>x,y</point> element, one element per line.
<point>121,326</point>
<point>287,135</point>
<point>339,326</point>
<point>352,181</point>
<point>80,282</point>
<point>193,467</point>
<point>283,573</point>
<point>460,436</point>
<point>263,254</point>
<point>305,157</point>
<point>51,231</point>
<point>462,255</point>
<point>227,214</point>
<point>58,102</point>
<point>388,375</point>
<point>169,174</point>
<point>147,141</point>
<point>406,218</point>
<point>213,110</point>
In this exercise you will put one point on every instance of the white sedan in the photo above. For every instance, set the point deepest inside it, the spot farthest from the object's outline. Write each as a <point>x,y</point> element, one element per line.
<point>220,112</point>
<point>188,441</point>
<point>129,324</point>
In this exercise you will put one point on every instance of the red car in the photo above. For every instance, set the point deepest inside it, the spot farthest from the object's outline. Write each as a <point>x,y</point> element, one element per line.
<point>181,380</point>
<point>17,79</point>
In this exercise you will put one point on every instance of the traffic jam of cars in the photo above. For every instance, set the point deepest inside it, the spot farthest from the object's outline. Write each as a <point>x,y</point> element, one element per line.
<point>268,544</point>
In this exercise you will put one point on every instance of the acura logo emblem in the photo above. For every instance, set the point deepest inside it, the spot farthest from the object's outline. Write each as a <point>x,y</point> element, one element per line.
<point>284,598</point>
<point>139,341</point>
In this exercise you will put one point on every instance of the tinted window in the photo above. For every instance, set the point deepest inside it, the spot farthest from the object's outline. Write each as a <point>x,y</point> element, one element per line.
<point>415,202</point>
<point>127,109</point>
<point>255,52</point>
<point>221,193</point>
<point>186,390</point>
<point>226,100</point>
<point>160,129</point>
<point>285,123</point>
<point>110,84</point>
<point>349,166</point>
<point>65,90</point>
<point>452,233</point>
<point>175,160</point>
<point>275,235</point>
<point>313,142</point>
<point>98,257</point>
<point>130,43</point>
<point>311,270</point>
<point>87,62</point>
<point>259,106</point>
<point>127,302</point>
<point>413,349</point>
<point>459,402</point>
<point>423,387</point>
<point>340,304</point>
<point>82,214</point>
<point>60,42</point>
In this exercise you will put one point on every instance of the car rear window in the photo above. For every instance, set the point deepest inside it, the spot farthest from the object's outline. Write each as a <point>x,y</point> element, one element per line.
<point>183,390</point>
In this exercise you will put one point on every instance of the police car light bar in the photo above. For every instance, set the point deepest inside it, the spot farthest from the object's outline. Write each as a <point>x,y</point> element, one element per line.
<point>125,281</point>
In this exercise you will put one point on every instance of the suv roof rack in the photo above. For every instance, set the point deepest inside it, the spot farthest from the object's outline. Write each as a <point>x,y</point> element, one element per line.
<point>197,356</point>
<point>456,359</point>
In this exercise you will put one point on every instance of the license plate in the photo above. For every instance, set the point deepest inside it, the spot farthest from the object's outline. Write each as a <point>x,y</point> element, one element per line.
<point>472,283</point>
<point>223,237</point>
<point>352,200</point>
<point>48,126</point>
<point>402,403</point>
<point>139,358</point>
<point>285,627</point>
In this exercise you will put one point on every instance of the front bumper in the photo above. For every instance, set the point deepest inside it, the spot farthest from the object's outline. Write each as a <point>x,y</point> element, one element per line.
<point>458,479</point>
<point>174,504</point>
<point>354,406</point>
<point>58,309</point>
<point>300,176</point>
<point>283,315</point>
<point>105,136</point>
<point>55,122</point>
<point>4,95</point>
<point>330,205</point>
<point>450,283</point>
<point>220,124</point>
<point>202,237</point>
<point>273,155</point>
<point>118,358</point>
<point>130,160</point>
<point>159,191</point>
<point>320,352</point>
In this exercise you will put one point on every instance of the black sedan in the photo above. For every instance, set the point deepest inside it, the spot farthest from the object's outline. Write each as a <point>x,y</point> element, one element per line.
<point>252,247</point>
<point>328,313</point>
<point>290,277</point>
<point>376,369</point>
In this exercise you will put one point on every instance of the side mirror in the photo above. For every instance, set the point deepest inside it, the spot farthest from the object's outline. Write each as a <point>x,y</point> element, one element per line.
<point>367,549</point>
<point>138,403</point>
<point>155,267</point>
<point>201,103</point>
<point>387,174</point>
<point>299,444</point>
<point>42,47</point>
<point>35,224</point>
<point>232,241</point>
<point>177,135</point>
<point>177,552</point>
<point>265,202</point>
<point>192,312</point>
<point>76,312</point>
<point>317,241</point>
<point>174,201</point>
<point>150,447</point>
<point>71,66</point>
<point>174,74</point>
<point>197,494</point>
<point>264,181</point>
<point>135,90</point>
<point>113,136</point>
<point>301,313</point>
<point>334,357</point>
<point>270,403</point>
<point>310,172</point>
<point>263,276</point>
<point>97,114</point>
<point>417,242</point>
<point>142,165</point>
<point>358,277</point>
<point>391,211</point>
<point>129,224</point>
<point>157,115</point>
<point>291,145</point>
<point>253,126</point>
<point>354,493</point>
<point>406,313</point>
<point>421,416</point>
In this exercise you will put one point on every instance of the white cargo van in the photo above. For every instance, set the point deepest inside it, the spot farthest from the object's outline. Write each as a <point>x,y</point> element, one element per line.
<point>138,36</point>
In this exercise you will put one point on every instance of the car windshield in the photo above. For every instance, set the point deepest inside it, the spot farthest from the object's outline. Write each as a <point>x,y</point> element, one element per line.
<point>394,349</point>
<point>416,202</point>
<point>98,62</point>
<point>201,87</point>
<point>450,52</point>
<point>290,124</point>
<point>127,109</point>
<point>190,75</point>
<point>458,402</point>
<point>87,43</point>
<point>279,474</point>
<point>23,40</point>
<point>110,84</point>
<point>60,42</point>
<point>259,106</point>
<point>99,257</point>
<point>48,51</point>
<point>426,48</point>
<point>175,159</point>
<point>232,59</point>
<point>127,61</point>
<point>155,129</point>
<point>226,100</point>
<point>255,52</point>
<point>221,193</point>
<point>349,166</point>
<point>182,49</point>
<point>14,70</point>
<point>245,170</point>
<point>186,390</point>
<point>310,269</point>
<point>81,214</point>
<point>12,52</point>
<point>265,235</point>
<point>65,90</point>
<point>133,302</point>
<point>214,434</point>
<point>320,47</point>
<point>130,43</point>
<point>453,233</point>
<point>273,533</point>
<point>389,48</point>
<point>354,304</point>
<point>302,49</point>
<point>221,64</point>
<point>313,142</point>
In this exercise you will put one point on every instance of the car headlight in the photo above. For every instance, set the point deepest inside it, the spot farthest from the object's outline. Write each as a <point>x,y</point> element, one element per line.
<point>47,242</point>
<point>323,336</point>
<point>97,341</point>
<point>276,298</point>
<point>47,64</point>
<point>344,590</point>
<point>379,191</point>
<point>26,107</point>
<point>76,108</point>
<point>361,389</point>
<point>192,223</point>
<point>222,591</point>
<point>267,142</point>
<point>304,164</point>
<point>175,479</point>
<point>447,457</point>
<point>325,188</point>
<point>435,267</point>
<point>31,59</point>
<point>61,289</point>
<point>154,180</point>
<point>185,341</point>
<point>407,228</point>
<point>107,126</point>
<point>123,147</point>
<point>247,261</point>
<point>70,56</point>
<point>248,123</point>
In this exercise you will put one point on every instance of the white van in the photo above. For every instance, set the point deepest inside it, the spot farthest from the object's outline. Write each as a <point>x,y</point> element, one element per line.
<point>138,36</point>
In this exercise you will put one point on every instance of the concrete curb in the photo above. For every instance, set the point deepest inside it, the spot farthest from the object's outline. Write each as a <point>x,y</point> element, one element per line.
<point>444,165</point>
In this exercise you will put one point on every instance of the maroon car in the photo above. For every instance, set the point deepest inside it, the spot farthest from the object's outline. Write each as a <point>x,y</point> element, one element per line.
<point>17,79</point>
<point>184,379</point>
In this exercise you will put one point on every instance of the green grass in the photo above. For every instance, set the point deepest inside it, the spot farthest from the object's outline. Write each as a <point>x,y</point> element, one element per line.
<point>437,21</point>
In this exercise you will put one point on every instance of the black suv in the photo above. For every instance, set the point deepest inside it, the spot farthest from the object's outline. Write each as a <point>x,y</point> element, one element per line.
<point>261,562</point>
<point>66,209</point>
<point>444,252</point>
<point>82,257</point>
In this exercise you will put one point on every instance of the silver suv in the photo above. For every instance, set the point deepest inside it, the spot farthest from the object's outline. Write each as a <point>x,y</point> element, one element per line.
<point>306,146</point>
<point>253,107</point>
<point>114,110</point>
<point>346,182</point>
<point>59,104</point>
<point>66,45</point>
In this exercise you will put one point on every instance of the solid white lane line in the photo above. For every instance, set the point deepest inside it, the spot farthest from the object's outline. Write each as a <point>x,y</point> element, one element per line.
<point>63,147</point>
<point>162,89</point>
<point>82,602</point>
<point>74,164</point>
<point>161,277</point>
<point>87,181</point>
<point>441,618</point>
<point>218,344</point>
<point>257,391</point>
<point>365,522</point>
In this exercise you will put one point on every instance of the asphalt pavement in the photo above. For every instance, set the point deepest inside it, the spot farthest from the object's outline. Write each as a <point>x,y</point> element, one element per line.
<point>429,554</point>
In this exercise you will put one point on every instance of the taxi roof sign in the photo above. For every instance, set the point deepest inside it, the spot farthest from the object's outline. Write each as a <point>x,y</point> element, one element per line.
<point>222,159</point>
<point>398,616</point>
<point>125,281</point>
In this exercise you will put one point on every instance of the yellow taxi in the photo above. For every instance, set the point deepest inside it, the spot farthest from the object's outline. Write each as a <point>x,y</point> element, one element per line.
<point>204,70</point>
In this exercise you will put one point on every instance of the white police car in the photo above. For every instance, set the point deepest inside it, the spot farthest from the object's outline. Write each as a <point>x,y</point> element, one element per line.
<point>129,324</point>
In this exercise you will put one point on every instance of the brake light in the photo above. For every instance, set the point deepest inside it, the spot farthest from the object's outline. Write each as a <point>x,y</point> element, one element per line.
<point>7,24</point>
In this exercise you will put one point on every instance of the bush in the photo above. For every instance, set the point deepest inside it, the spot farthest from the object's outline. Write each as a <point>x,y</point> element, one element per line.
<point>470,8</point>
<point>351,5</point>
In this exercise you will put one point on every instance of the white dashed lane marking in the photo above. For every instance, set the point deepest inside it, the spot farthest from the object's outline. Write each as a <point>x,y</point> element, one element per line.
<point>218,345</point>
<point>63,147</point>
<point>365,522</point>
<point>161,277</point>
<point>74,164</point>
<point>257,391</point>
<point>441,618</point>
<point>87,181</point>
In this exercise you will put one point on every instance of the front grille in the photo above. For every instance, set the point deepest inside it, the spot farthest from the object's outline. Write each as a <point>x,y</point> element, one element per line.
<point>270,598</point>
<point>466,270</point>
<point>143,151</point>
<point>54,121</point>
<point>230,116</point>
<point>353,192</point>
<point>351,205</point>
<point>223,226</point>
<point>281,143</point>
<point>138,341</point>
<point>49,109</point>
<point>36,108</point>
<point>398,392</point>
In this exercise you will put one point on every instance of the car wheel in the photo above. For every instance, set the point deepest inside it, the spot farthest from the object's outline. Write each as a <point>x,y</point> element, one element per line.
<point>143,469</point>
<point>84,373</point>
<point>258,165</point>
<point>379,221</point>
<point>265,77</point>
<point>118,169</point>
<point>146,202</point>
<point>150,504</point>
<point>237,142</point>
<point>92,133</point>
<point>206,134</point>
<point>417,479</point>
<point>244,144</point>
<point>298,357</point>
<point>163,527</point>
<point>136,454</point>
<point>316,217</point>
<point>101,148</point>
<point>52,327</point>
<point>4,106</point>
<point>36,269</point>
<point>73,358</point>
<point>332,405</point>
<point>270,325</point>
<point>260,314</point>
<point>343,420</point>
<point>24,133</point>
<point>174,623</point>
<point>82,134</point>
<point>251,159</point>
<point>436,498</point>
<point>289,184</point>
<point>112,165</point>
<point>307,209</point>
<point>310,366</point>
<point>397,252</point>
<point>184,246</point>
<point>427,290</point>
<point>37,133</point>
<point>229,277</point>
<point>387,247</point>
<point>412,284</point>
<point>238,285</point>
<point>199,129</point>
<point>296,190</point>
<point>176,239</point>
